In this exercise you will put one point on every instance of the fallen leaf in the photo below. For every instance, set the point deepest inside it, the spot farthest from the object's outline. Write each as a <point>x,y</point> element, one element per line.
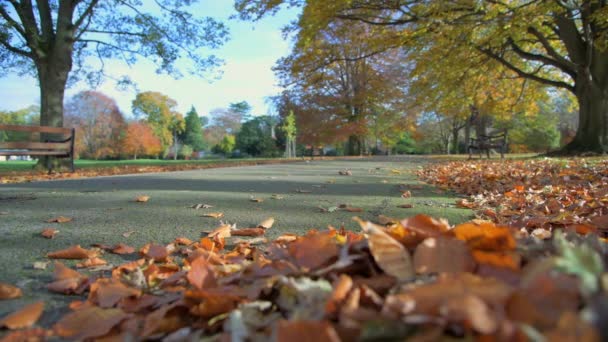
<point>74,252</point>
<point>201,205</point>
<point>23,318</point>
<point>59,219</point>
<point>352,209</point>
<point>406,206</point>
<point>248,232</point>
<point>267,223</point>
<point>406,194</point>
<point>49,233</point>
<point>389,254</point>
<point>183,241</point>
<point>93,262</point>
<point>254,241</point>
<point>155,252</point>
<point>40,265</point>
<point>345,173</point>
<point>302,191</point>
<point>8,291</point>
<point>277,197</point>
<point>89,322</point>
<point>221,232</point>
<point>314,250</point>
<point>121,248</point>
<point>213,215</point>
<point>318,331</point>
<point>256,199</point>
<point>443,255</point>
<point>142,199</point>
<point>201,274</point>
<point>128,234</point>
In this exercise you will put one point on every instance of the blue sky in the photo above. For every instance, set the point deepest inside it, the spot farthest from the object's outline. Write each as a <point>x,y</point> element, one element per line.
<point>247,75</point>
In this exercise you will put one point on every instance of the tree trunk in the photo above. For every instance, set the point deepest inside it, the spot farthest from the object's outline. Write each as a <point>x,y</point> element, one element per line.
<point>592,132</point>
<point>354,145</point>
<point>455,132</point>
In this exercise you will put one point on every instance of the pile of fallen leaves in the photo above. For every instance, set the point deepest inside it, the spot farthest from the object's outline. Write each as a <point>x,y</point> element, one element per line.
<point>414,278</point>
<point>537,195</point>
<point>35,176</point>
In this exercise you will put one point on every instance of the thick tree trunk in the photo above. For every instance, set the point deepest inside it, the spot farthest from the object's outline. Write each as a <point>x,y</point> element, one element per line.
<point>592,132</point>
<point>455,132</point>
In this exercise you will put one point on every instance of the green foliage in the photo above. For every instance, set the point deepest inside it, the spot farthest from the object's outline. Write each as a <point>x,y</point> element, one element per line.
<point>193,135</point>
<point>226,146</point>
<point>538,133</point>
<point>255,138</point>
<point>405,145</point>
<point>185,152</point>
<point>25,116</point>
<point>289,126</point>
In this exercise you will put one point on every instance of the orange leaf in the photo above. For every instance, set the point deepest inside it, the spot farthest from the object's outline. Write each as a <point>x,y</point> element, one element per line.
<point>89,322</point>
<point>93,262</point>
<point>342,287</point>
<point>352,209</point>
<point>183,241</point>
<point>201,275</point>
<point>406,194</point>
<point>213,215</point>
<point>74,252</point>
<point>220,232</point>
<point>156,252</point>
<point>66,279</point>
<point>406,206</point>
<point>121,248</point>
<point>108,293</point>
<point>388,253</point>
<point>49,233</point>
<point>443,255</point>
<point>318,331</point>
<point>142,199</point>
<point>314,250</point>
<point>498,259</point>
<point>59,219</point>
<point>26,317</point>
<point>485,236</point>
<point>8,291</point>
<point>248,232</point>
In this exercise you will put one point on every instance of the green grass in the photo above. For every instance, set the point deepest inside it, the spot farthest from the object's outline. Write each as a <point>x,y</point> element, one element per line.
<point>16,166</point>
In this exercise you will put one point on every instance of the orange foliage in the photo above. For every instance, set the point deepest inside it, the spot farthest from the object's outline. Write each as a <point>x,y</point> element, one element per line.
<point>140,140</point>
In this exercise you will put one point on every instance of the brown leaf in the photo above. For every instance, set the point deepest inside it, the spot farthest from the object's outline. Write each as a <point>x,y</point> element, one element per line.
<point>23,318</point>
<point>67,280</point>
<point>49,233</point>
<point>485,236</point>
<point>59,219</point>
<point>8,291</point>
<point>74,252</point>
<point>107,293</point>
<point>406,194</point>
<point>89,322</point>
<point>142,199</point>
<point>248,232</point>
<point>318,331</point>
<point>267,223</point>
<point>121,248</point>
<point>93,262</point>
<point>443,255</point>
<point>314,250</point>
<point>213,215</point>
<point>352,209</point>
<point>389,254</point>
<point>220,232</point>
<point>201,274</point>
<point>183,241</point>
<point>406,206</point>
<point>155,252</point>
<point>342,287</point>
<point>256,199</point>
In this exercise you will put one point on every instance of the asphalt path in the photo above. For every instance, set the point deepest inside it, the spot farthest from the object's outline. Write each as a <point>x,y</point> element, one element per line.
<point>103,208</point>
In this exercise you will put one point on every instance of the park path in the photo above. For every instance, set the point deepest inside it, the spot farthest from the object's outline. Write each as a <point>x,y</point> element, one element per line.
<point>103,208</point>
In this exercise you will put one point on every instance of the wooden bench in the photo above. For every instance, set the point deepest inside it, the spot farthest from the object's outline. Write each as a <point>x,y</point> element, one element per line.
<point>487,142</point>
<point>62,145</point>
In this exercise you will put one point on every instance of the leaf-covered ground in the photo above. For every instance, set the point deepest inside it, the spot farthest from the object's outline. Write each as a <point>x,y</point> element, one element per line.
<point>390,279</point>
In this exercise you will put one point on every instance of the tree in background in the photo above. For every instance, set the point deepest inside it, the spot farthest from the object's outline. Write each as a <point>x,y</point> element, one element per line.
<point>25,116</point>
<point>255,137</point>
<point>226,121</point>
<point>560,44</point>
<point>290,130</point>
<point>140,140</point>
<point>50,38</point>
<point>226,145</point>
<point>159,111</point>
<point>177,126</point>
<point>193,134</point>
<point>99,124</point>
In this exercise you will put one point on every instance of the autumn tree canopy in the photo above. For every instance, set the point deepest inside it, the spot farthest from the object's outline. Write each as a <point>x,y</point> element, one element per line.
<point>560,44</point>
<point>159,111</point>
<point>60,39</point>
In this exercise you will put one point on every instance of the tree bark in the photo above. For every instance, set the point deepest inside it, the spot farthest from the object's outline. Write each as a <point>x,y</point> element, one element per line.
<point>592,132</point>
<point>354,145</point>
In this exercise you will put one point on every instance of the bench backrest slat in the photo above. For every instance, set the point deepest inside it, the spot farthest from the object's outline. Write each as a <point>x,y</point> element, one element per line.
<point>35,129</point>
<point>35,145</point>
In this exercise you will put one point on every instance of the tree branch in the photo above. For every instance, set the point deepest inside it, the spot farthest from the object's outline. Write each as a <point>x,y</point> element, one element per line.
<point>86,14</point>
<point>568,66</point>
<point>541,58</point>
<point>524,74</point>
